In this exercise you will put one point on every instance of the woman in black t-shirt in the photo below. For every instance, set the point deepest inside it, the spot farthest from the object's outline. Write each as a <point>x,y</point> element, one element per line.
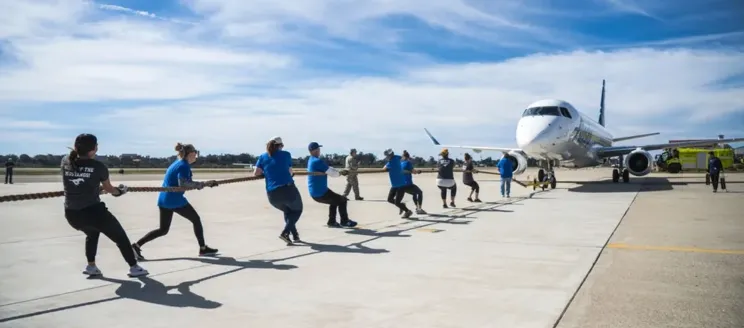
<point>82,178</point>
<point>468,180</point>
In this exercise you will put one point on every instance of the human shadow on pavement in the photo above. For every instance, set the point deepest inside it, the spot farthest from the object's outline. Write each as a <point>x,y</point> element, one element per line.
<point>490,210</point>
<point>231,261</point>
<point>450,221</point>
<point>375,233</point>
<point>351,248</point>
<point>155,292</point>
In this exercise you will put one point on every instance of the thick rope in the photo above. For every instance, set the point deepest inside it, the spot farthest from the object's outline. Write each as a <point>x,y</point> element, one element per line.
<point>52,194</point>
<point>528,184</point>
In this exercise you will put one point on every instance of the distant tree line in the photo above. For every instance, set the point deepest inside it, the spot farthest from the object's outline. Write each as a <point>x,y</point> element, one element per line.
<point>214,161</point>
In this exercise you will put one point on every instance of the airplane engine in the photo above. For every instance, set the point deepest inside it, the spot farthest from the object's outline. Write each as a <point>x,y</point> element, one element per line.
<point>639,162</point>
<point>519,162</point>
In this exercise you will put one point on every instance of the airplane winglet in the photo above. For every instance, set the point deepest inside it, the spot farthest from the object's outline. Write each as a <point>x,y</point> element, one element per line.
<point>434,140</point>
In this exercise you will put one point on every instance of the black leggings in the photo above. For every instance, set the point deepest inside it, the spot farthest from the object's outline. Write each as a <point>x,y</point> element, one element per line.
<point>166,217</point>
<point>337,203</point>
<point>473,185</point>
<point>453,191</point>
<point>418,195</point>
<point>96,220</point>
<point>395,196</point>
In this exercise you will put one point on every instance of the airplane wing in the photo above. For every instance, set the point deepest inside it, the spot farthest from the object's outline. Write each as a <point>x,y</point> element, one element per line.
<point>635,136</point>
<point>476,149</point>
<point>622,150</point>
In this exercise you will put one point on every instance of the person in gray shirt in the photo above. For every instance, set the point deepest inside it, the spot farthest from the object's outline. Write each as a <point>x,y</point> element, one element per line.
<point>82,178</point>
<point>446,178</point>
<point>468,180</point>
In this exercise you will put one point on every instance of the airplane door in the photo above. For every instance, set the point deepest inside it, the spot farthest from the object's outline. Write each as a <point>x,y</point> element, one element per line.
<point>702,160</point>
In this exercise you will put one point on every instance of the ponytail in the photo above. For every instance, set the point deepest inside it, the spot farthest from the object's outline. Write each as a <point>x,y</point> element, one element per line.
<point>73,159</point>
<point>179,150</point>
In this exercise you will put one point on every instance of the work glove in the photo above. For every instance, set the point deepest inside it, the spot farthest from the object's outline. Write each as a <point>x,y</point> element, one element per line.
<point>211,183</point>
<point>344,172</point>
<point>199,185</point>
<point>122,190</point>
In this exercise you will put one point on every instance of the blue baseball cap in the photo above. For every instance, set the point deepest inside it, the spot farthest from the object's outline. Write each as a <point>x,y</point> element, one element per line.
<point>313,146</point>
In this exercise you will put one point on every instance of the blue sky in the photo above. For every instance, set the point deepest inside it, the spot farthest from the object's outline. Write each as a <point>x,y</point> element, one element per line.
<point>227,75</point>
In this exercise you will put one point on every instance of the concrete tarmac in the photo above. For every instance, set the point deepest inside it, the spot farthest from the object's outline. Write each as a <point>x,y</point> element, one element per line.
<point>515,262</point>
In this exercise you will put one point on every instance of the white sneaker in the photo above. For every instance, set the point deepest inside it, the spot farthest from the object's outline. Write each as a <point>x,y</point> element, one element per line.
<point>137,271</point>
<point>92,270</point>
<point>420,211</point>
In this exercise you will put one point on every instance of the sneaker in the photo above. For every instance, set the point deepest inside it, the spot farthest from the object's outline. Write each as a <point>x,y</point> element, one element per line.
<point>477,200</point>
<point>333,224</point>
<point>207,251</point>
<point>407,214</point>
<point>420,211</point>
<point>348,224</point>
<point>285,238</point>
<point>507,196</point>
<point>138,252</point>
<point>470,199</point>
<point>296,238</point>
<point>444,205</point>
<point>92,270</point>
<point>137,271</point>
<point>358,198</point>
<point>452,204</point>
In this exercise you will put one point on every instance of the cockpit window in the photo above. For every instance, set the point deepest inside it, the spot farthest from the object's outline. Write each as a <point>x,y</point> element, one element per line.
<point>565,112</point>
<point>540,111</point>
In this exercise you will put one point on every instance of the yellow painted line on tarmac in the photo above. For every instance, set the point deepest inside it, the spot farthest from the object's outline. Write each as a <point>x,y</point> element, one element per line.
<point>677,249</point>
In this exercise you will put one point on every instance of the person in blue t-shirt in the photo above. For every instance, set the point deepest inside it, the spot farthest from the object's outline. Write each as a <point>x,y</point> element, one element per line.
<point>178,175</point>
<point>506,170</point>
<point>397,182</point>
<point>414,190</point>
<point>276,167</point>
<point>317,183</point>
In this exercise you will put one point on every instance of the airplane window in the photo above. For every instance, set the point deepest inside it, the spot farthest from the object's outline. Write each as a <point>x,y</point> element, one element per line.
<point>539,111</point>
<point>565,112</point>
<point>550,110</point>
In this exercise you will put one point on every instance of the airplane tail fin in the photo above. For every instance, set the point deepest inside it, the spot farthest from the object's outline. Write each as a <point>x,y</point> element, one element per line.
<point>433,140</point>
<point>602,106</point>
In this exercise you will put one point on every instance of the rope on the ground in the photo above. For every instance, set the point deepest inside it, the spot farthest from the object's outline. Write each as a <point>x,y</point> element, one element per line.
<point>52,194</point>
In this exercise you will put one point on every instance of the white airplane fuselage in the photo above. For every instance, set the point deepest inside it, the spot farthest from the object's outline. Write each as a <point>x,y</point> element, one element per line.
<point>553,129</point>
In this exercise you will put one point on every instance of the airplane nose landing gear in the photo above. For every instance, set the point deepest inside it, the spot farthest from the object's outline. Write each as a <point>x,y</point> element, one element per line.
<point>547,177</point>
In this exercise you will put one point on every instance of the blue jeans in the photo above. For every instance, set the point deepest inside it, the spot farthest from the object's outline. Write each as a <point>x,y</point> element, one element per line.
<point>288,200</point>
<point>505,183</point>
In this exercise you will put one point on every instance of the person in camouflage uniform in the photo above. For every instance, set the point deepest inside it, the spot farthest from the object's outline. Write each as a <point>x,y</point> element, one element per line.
<point>352,181</point>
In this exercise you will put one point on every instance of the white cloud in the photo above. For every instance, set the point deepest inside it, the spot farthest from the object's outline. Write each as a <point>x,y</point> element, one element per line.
<point>225,96</point>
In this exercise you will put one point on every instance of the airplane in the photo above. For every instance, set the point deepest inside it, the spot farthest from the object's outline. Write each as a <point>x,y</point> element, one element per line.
<point>553,131</point>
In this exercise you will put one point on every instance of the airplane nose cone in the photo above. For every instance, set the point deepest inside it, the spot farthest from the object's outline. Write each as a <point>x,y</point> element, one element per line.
<point>533,132</point>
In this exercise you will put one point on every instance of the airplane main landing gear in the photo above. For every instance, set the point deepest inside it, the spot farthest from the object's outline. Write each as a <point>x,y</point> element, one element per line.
<point>616,173</point>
